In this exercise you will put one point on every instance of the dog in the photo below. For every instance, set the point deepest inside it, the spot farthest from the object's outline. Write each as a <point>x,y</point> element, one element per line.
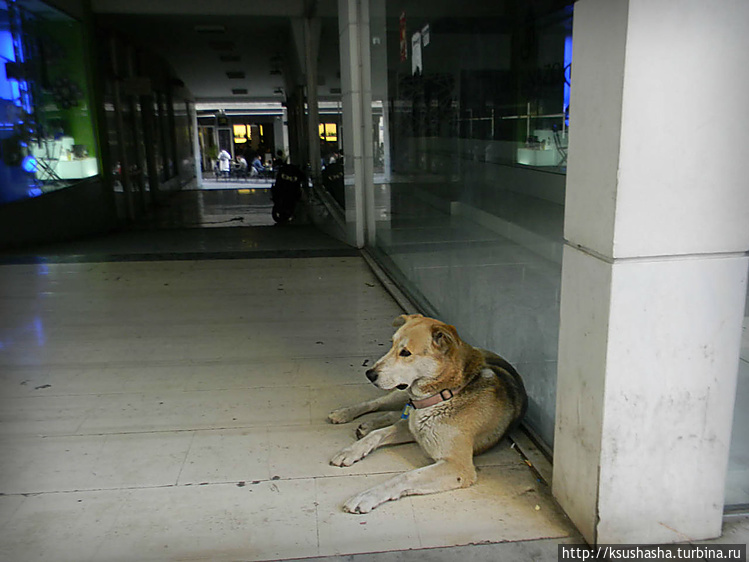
<point>457,401</point>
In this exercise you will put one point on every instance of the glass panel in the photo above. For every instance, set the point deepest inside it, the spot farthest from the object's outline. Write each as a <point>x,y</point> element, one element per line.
<point>160,133</point>
<point>183,119</point>
<point>331,151</point>
<point>46,135</point>
<point>330,112</point>
<point>737,483</point>
<point>332,178</point>
<point>469,139</point>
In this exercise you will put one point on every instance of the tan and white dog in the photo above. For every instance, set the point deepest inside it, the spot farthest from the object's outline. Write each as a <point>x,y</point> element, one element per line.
<point>458,401</point>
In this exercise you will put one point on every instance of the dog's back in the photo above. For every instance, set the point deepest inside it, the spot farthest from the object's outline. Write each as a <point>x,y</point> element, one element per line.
<point>492,403</point>
<point>511,383</point>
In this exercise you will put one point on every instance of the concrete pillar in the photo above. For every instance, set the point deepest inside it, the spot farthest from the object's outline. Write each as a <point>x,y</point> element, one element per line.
<point>378,57</point>
<point>356,97</point>
<point>281,133</point>
<point>655,267</point>
<point>312,47</point>
<point>306,33</point>
<point>298,152</point>
<point>193,116</point>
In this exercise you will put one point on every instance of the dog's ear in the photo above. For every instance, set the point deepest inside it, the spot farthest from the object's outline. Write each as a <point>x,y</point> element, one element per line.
<point>403,318</point>
<point>444,337</point>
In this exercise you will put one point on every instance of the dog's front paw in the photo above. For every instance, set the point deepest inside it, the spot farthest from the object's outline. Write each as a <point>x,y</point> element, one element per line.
<point>341,415</point>
<point>363,503</point>
<point>350,455</point>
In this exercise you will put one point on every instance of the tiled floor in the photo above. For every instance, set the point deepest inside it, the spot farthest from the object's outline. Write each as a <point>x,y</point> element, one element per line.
<point>163,396</point>
<point>227,223</point>
<point>218,204</point>
<point>175,410</point>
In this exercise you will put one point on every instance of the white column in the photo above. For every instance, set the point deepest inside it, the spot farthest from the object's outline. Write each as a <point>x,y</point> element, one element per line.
<point>379,72</point>
<point>356,97</point>
<point>655,268</point>
<point>312,44</point>
<point>196,146</point>
<point>281,133</point>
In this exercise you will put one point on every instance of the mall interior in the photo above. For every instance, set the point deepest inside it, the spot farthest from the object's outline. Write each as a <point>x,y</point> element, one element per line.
<point>169,351</point>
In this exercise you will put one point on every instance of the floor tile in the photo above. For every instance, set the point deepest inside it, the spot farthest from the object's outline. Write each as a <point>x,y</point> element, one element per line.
<point>91,462</point>
<point>303,451</point>
<point>208,409</point>
<point>43,415</point>
<point>389,527</point>
<point>9,505</point>
<point>94,379</point>
<point>223,375</point>
<point>332,371</point>
<point>325,399</point>
<point>227,455</point>
<point>61,527</point>
<point>267,521</point>
<point>501,506</point>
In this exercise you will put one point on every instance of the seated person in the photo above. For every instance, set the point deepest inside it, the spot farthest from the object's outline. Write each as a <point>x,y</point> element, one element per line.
<point>241,165</point>
<point>257,166</point>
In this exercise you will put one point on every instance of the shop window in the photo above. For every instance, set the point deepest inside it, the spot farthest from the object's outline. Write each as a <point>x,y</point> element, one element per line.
<point>242,134</point>
<point>328,132</point>
<point>47,137</point>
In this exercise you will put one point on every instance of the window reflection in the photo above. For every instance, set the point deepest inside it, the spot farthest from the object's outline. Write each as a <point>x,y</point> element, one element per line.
<point>46,135</point>
<point>470,114</point>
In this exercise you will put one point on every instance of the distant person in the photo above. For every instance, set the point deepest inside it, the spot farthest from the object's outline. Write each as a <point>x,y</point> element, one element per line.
<point>257,166</point>
<point>224,162</point>
<point>279,159</point>
<point>241,166</point>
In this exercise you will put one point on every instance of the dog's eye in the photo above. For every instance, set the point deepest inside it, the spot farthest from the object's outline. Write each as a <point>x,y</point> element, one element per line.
<point>404,353</point>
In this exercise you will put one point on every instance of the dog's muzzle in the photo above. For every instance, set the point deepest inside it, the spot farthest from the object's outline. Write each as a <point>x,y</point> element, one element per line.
<point>372,376</point>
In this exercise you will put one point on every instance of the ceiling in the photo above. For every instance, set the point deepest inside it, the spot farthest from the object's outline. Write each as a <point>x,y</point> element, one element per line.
<point>242,51</point>
<point>227,50</point>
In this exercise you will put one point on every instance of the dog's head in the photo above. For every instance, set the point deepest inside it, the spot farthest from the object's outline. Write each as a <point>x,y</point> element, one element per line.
<point>423,352</point>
